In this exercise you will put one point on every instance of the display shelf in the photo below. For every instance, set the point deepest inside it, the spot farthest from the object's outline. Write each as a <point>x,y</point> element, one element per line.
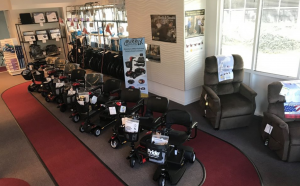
<point>13,56</point>
<point>35,26</point>
<point>36,23</point>
<point>41,40</point>
<point>117,21</point>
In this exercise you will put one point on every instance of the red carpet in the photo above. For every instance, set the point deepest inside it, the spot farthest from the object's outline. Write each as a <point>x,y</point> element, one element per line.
<point>13,182</point>
<point>69,162</point>
<point>3,69</point>
<point>224,164</point>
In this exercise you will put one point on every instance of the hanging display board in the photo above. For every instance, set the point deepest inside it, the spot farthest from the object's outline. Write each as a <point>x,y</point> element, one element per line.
<point>134,57</point>
<point>194,23</point>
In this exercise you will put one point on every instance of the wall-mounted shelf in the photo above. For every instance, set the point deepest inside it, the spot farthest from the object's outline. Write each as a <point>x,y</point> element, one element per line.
<point>22,42</point>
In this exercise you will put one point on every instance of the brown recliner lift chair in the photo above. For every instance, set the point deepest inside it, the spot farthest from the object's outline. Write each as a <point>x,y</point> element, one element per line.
<point>228,104</point>
<point>285,136</point>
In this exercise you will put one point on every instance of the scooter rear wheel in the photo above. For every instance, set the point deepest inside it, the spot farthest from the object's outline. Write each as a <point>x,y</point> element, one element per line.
<point>30,88</point>
<point>76,118</point>
<point>97,132</point>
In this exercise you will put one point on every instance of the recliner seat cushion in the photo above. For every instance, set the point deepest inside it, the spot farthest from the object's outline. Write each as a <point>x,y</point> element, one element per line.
<point>294,129</point>
<point>235,105</point>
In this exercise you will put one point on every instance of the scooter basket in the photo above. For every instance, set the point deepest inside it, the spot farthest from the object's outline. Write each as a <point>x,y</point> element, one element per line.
<point>131,137</point>
<point>57,90</point>
<point>69,99</point>
<point>39,76</point>
<point>82,108</point>
<point>27,75</point>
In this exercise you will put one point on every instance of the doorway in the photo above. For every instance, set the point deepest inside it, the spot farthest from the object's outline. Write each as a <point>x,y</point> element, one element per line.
<point>4,34</point>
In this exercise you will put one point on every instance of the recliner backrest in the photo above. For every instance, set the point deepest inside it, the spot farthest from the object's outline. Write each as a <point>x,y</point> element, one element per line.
<point>225,87</point>
<point>276,101</point>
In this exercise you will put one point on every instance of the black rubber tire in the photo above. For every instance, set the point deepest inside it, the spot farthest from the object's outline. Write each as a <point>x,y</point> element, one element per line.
<point>114,143</point>
<point>30,88</point>
<point>63,108</point>
<point>59,100</point>
<point>81,129</point>
<point>132,162</point>
<point>76,118</point>
<point>97,132</point>
<point>162,181</point>
<point>47,99</point>
<point>192,158</point>
<point>44,94</point>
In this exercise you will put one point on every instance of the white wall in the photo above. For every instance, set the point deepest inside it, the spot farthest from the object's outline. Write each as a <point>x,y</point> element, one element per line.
<point>170,72</point>
<point>5,5</point>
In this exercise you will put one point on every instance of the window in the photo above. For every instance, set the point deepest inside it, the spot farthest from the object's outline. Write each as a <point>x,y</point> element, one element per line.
<point>278,28</point>
<point>279,38</point>
<point>238,29</point>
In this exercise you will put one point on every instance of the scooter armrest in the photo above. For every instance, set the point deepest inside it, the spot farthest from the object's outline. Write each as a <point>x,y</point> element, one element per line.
<point>194,124</point>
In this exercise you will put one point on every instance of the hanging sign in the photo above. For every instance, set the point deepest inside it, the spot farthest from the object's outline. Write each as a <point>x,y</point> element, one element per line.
<point>134,57</point>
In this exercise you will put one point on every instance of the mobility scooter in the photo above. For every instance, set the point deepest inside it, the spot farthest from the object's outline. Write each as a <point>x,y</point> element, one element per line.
<point>137,72</point>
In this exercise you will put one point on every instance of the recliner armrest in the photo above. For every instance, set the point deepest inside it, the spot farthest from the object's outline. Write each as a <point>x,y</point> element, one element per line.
<point>212,99</point>
<point>247,92</point>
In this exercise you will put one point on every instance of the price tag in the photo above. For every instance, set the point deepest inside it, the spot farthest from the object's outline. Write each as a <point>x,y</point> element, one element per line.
<point>81,102</point>
<point>43,41</point>
<point>44,53</point>
<point>41,24</point>
<point>48,79</point>
<point>59,49</point>
<point>31,42</point>
<point>94,100</point>
<point>71,92</point>
<point>122,109</point>
<point>112,111</point>
<point>59,85</point>
<point>268,129</point>
<point>57,39</point>
<point>52,77</point>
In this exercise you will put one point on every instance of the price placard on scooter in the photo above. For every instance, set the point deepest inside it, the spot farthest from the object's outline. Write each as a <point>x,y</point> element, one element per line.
<point>122,109</point>
<point>112,111</point>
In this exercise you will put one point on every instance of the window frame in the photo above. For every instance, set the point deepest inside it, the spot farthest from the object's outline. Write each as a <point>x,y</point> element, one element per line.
<point>255,42</point>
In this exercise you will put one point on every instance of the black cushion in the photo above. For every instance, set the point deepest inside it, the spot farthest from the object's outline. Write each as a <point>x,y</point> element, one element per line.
<point>235,105</point>
<point>149,124</point>
<point>177,137</point>
<point>104,99</point>
<point>294,129</point>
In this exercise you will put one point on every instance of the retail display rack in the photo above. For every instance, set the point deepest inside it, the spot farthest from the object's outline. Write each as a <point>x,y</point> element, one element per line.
<point>104,23</point>
<point>38,26</point>
<point>13,54</point>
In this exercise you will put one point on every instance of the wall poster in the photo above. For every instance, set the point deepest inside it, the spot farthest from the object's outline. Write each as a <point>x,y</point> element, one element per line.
<point>153,53</point>
<point>134,57</point>
<point>163,28</point>
<point>194,23</point>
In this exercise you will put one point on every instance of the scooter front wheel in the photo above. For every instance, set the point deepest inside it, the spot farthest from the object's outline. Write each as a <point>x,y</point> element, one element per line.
<point>162,181</point>
<point>114,143</point>
<point>132,162</point>
<point>30,88</point>
<point>81,129</point>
